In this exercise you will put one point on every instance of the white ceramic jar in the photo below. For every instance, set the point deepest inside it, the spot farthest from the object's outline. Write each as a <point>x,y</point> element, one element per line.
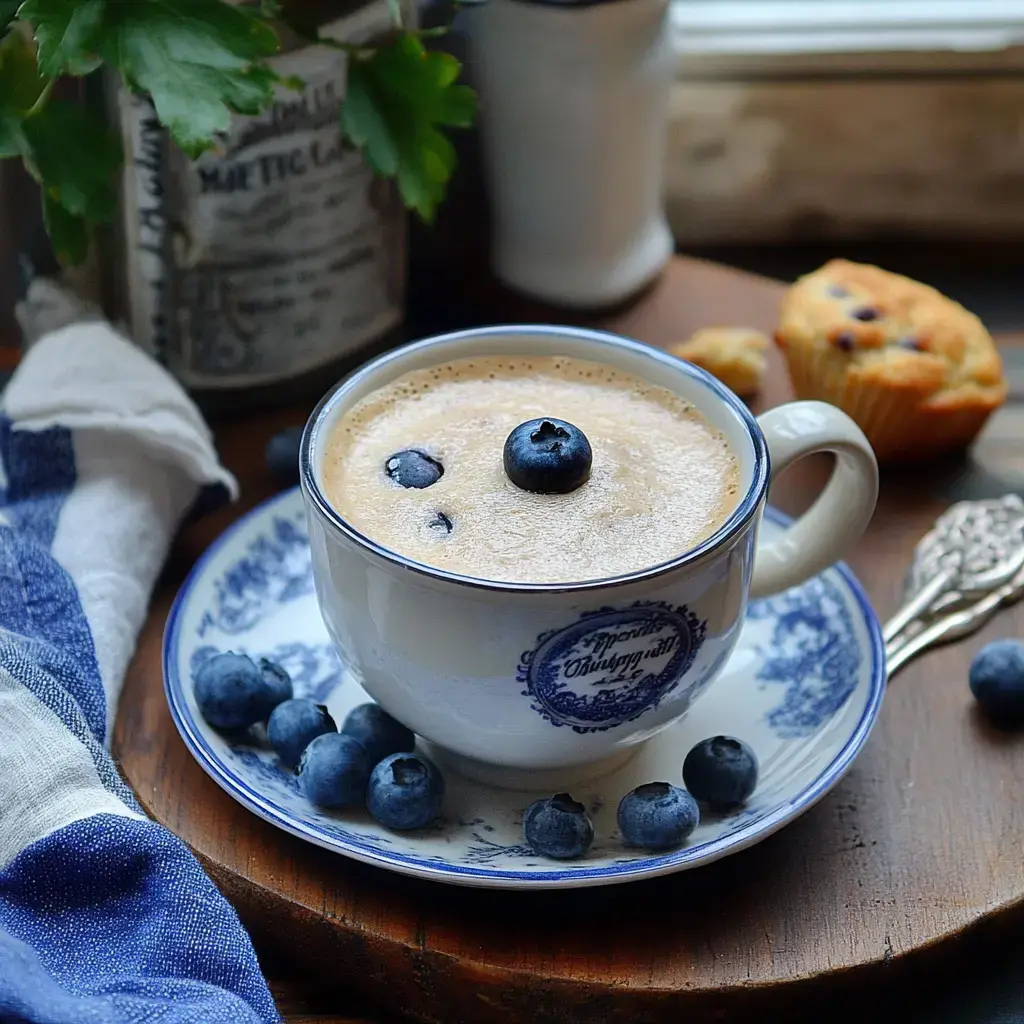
<point>514,683</point>
<point>574,114</point>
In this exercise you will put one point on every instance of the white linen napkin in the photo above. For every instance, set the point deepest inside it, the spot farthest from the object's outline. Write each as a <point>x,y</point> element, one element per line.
<point>104,915</point>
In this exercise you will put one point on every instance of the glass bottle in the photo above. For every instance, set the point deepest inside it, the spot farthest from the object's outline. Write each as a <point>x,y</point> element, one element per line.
<point>261,272</point>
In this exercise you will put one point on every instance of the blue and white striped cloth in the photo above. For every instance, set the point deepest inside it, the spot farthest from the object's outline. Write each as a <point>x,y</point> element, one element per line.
<point>104,915</point>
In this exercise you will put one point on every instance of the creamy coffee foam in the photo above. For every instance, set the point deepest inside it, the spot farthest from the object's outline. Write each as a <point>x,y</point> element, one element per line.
<point>662,479</point>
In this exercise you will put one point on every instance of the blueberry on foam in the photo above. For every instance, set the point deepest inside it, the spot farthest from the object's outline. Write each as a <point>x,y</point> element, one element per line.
<point>441,523</point>
<point>413,468</point>
<point>547,456</point>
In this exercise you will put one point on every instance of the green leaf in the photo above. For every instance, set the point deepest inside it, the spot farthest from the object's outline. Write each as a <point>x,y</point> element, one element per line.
<point>8,8</point>
<point>365,123</point>
<point>67,34</point>
<point>198,60</point>
<point>396,99</point>
<point>69,235</point>
<point>75,159</point>
<point>20,82</point>
<point>20,87</point>
<point>12,142</point>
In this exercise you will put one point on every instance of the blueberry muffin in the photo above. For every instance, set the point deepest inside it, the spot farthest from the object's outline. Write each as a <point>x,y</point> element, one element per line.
<point>917,371</point>
<point>735,355</point>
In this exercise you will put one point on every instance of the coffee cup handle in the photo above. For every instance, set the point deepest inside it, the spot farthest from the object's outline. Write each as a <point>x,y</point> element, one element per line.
<point>827,530</point>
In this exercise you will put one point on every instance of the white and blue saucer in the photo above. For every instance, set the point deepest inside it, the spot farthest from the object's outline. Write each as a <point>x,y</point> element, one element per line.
<point>803,687</point>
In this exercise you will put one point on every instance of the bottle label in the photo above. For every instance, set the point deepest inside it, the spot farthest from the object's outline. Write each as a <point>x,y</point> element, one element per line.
<point>276,253</point>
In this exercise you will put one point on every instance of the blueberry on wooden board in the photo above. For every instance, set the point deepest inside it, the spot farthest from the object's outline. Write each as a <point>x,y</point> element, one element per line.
<point>997,681</point>
<point>282,456</point>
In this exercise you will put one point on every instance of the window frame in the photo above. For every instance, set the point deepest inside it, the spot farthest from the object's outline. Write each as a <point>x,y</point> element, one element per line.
<point>788,36</point>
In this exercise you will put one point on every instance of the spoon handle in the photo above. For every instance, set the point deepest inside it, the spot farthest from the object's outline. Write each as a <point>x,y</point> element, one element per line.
<point>915,606</point>
<point>954,626</point>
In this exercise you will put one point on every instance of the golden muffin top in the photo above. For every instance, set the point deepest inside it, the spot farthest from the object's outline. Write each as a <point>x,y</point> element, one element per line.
<point>890,331</point>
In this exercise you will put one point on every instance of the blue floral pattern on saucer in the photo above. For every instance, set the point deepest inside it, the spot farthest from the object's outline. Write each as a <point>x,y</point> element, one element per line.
<point>803,687</point>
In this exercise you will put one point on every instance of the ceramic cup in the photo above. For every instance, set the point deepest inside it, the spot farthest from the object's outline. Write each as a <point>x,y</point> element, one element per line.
<point>532,685</point>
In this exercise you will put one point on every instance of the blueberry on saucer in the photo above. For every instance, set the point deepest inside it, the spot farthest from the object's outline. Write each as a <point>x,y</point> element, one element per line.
<point>405,792</point>
<point>277,677</point>
<point>378,732</point>
<point>721,771</point>
<point>294,725</point>
<point>657,816</point>
<point>233,692</point>
<point>334,770</point>
<point>558,827</point>
<point>547,456</point>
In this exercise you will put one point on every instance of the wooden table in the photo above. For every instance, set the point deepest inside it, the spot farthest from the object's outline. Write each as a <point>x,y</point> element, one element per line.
<point>916,851</point>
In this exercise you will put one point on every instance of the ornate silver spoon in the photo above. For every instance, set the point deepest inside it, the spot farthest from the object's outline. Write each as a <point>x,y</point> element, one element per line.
<point>969,564</point>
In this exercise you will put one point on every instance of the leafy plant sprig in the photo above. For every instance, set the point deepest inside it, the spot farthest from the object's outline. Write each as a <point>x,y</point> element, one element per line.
<point>200,62</point>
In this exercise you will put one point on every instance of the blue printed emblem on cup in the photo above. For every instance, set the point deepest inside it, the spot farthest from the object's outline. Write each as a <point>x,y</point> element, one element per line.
<point>612,665</point>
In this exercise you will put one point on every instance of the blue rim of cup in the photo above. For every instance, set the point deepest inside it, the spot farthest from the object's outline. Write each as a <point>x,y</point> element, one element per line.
<point>736,522</point>
<point>641,868</point>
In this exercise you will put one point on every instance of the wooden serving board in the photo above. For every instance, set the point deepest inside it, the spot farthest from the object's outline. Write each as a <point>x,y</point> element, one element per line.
<point>919,845</point>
